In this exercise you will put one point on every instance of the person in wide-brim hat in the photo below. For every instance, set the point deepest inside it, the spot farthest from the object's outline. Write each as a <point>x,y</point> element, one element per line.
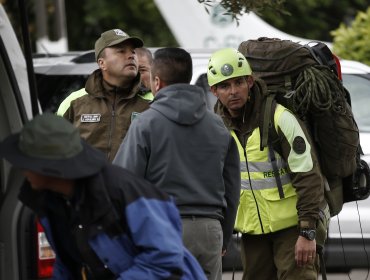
<point>49,145</point>
<point>98,218</point>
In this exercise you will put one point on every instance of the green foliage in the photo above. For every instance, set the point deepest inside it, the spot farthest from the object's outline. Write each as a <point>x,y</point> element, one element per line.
<point>353,41</point>
<point>303,18</point>
<point>313,18</point>
<point>140,18</point>
<point>237,8</point>
<point>86,19</point>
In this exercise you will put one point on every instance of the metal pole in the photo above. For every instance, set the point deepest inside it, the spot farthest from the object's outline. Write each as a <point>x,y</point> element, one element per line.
<point>41,19</point>
<point>61,19</point>
<point>28,57</point>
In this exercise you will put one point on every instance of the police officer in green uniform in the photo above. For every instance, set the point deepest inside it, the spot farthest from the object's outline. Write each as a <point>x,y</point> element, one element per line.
<point>278,225</point>
<point>112,96</point>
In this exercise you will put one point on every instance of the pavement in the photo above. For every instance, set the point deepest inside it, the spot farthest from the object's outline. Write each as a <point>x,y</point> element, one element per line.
<point>356,274</point>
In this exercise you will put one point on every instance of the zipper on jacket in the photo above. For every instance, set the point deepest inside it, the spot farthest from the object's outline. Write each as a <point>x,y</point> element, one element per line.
<point>250,184</point>
<point>112,124</point>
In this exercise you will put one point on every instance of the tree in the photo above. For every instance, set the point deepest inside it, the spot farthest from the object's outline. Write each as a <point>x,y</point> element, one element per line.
<point>239,7</point>
<point>353,41</point>
<point>314,18</point>
<point>139,18</point>
<point>86,19</point>
<point>303,18</point>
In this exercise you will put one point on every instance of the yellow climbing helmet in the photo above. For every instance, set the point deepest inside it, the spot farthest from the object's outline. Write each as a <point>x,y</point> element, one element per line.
<point>225,64</point>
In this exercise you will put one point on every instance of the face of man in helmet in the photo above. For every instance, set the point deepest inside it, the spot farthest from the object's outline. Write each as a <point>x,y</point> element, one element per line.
<point>233,93</point>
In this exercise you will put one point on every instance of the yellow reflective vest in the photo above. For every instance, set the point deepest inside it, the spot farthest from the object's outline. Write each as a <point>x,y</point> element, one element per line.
<point>261,209</point>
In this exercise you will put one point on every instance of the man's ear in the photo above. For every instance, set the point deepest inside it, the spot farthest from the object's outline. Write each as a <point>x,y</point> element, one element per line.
<point>101,64</point>
<point>214,90</point>
<point>250,81</point>
<point>158,83</point>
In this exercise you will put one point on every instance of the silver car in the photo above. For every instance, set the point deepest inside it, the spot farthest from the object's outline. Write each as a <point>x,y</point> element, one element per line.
<point>349,232</point>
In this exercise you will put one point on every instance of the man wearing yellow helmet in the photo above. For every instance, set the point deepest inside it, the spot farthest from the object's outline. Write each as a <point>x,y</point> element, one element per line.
<point>278,221</point>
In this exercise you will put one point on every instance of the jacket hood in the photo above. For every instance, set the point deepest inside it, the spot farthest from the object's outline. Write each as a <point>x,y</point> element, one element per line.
<point>182,103</point>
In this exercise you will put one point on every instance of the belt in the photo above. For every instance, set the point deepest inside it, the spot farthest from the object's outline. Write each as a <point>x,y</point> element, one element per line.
<point>195,217</point>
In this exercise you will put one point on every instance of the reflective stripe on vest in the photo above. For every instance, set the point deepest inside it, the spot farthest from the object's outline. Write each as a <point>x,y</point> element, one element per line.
<point>263,176</point>
<point>147,96</point>
<point>64,106</point>
<point>66,103</point>
<point>274,213</point>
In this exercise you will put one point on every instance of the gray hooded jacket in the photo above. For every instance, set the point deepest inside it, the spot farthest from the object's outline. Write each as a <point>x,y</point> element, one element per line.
<point>186,150</point>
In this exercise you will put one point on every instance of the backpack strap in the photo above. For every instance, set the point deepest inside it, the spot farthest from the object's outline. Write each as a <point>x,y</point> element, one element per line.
<point>276,171</point>
<point>265,121</point>
<point>269,138</point>
<point>320,252</point>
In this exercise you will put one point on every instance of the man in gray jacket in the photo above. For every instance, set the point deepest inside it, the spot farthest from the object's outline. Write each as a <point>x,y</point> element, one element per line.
<point>181,147</point>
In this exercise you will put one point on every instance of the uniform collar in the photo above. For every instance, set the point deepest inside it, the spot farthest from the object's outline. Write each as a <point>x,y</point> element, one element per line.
<point>97,87</point>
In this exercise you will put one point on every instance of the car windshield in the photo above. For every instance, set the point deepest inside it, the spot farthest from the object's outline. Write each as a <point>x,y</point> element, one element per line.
<point>359,88</point>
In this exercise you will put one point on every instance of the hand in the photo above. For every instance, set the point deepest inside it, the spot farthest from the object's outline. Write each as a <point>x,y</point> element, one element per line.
<point>305,251</point>
<point>223,252</point>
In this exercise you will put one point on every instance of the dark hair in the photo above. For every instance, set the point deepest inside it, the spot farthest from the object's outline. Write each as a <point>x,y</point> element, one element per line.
<point>145,52</point>
<point>172,65</point>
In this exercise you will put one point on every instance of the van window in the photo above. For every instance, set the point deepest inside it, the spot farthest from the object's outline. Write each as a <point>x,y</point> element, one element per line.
<point>53,89</point>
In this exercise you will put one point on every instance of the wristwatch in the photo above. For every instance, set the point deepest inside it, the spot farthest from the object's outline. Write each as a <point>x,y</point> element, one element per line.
<point>309,234</point>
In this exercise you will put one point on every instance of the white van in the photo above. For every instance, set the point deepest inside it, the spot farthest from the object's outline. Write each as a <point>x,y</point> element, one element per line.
<point>22,245</point>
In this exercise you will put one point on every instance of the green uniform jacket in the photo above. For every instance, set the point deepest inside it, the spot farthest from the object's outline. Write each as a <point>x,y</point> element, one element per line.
<point>307,197</point>
<point>103,113</point>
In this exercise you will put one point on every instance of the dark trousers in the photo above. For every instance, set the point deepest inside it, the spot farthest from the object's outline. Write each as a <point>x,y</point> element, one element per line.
<point>271,257</point>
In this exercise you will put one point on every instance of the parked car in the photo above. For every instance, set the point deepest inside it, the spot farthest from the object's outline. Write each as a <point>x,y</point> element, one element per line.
<point>58,76</point>
<point>349,232</point>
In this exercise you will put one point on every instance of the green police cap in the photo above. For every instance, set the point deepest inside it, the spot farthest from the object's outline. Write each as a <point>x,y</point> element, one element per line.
<point>114,37</point>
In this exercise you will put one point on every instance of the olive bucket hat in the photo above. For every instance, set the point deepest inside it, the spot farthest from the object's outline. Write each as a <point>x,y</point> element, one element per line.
<point>51,146</point>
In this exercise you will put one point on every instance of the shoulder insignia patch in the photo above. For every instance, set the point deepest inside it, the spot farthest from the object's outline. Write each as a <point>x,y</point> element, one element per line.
<point>299,145</point>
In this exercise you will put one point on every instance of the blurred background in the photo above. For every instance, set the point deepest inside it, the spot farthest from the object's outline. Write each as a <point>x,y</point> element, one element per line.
<point>66,25</point>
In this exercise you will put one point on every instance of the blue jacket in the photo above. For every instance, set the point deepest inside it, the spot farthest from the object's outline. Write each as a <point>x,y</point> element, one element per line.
<point>148,244</point>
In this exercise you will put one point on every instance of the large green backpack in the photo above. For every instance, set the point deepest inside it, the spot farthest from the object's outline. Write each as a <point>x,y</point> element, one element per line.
<point>305,80</point>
